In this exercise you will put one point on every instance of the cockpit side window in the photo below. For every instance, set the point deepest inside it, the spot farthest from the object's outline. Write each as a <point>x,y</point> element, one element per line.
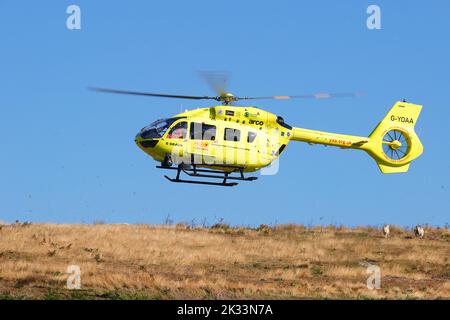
<point>157,129</point>
<point>178,131</point>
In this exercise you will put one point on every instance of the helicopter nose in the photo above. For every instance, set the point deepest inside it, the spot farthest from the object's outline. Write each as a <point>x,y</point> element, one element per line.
<point>145,143</point>
<point>137,137</point>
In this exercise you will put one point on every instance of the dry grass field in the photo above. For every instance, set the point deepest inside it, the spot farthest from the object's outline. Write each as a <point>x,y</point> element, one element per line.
<point>178,262</point>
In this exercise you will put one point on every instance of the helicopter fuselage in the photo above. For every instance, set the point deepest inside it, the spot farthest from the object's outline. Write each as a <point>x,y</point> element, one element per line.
<point>217,136</point>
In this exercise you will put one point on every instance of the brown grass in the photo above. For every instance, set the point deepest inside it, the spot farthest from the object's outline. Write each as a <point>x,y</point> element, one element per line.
<point>179,262</point>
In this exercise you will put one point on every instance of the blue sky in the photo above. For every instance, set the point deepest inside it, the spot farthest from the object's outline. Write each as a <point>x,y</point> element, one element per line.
<point>68,155</point>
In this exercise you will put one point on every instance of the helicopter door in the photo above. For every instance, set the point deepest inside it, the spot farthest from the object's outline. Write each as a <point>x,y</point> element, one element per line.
<point>234,148</point>
<point>253,154</point>
<point>263,148</point>
<point>176,137</point>
<point>202,142</point>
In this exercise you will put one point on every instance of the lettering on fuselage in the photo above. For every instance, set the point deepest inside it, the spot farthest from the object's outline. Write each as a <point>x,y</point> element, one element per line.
<point>340,141</point>
<point>256,122</point>
<point>402,119</point>
<point>174,144</point>
<point>201,146</point>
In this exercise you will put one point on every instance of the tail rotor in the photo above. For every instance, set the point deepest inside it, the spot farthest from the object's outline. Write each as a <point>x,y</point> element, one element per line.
<point>396,144</point>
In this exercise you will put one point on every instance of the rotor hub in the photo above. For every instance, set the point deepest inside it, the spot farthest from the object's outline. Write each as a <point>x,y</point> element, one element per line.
<point>395,145</point>
<point>226,98</point>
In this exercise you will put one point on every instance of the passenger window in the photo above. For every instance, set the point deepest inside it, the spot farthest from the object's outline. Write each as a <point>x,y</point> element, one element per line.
<point>251,137</point>
<point>178,131</point>
<point>202,131</point>
<point>232,134</point>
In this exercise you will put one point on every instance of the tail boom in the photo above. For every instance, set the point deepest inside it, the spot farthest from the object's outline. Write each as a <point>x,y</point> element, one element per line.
<point>328,138</point>
<point>393,143</point>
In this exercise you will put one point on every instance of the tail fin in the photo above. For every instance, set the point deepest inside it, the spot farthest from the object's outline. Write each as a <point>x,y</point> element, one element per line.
<point>394,144</point>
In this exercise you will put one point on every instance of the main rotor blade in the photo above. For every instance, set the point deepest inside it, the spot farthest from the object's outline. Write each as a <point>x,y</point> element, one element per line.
<point>148,94</point>
<point>323,95</point>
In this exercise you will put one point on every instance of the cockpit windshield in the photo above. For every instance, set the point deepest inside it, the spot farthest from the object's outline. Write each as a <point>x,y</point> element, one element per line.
<point>157,129</point>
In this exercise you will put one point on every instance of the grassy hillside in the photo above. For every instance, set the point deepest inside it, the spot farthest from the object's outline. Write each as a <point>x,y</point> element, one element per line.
<point>167,262</point>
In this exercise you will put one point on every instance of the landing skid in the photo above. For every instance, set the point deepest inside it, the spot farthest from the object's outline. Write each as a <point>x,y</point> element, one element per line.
<point>193,171</point>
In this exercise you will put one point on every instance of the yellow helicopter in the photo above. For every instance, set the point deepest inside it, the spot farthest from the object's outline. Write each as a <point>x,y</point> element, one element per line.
<point>224,142</point>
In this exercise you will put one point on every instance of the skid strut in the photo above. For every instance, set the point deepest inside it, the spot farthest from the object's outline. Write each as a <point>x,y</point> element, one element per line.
<point>193,171</point>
